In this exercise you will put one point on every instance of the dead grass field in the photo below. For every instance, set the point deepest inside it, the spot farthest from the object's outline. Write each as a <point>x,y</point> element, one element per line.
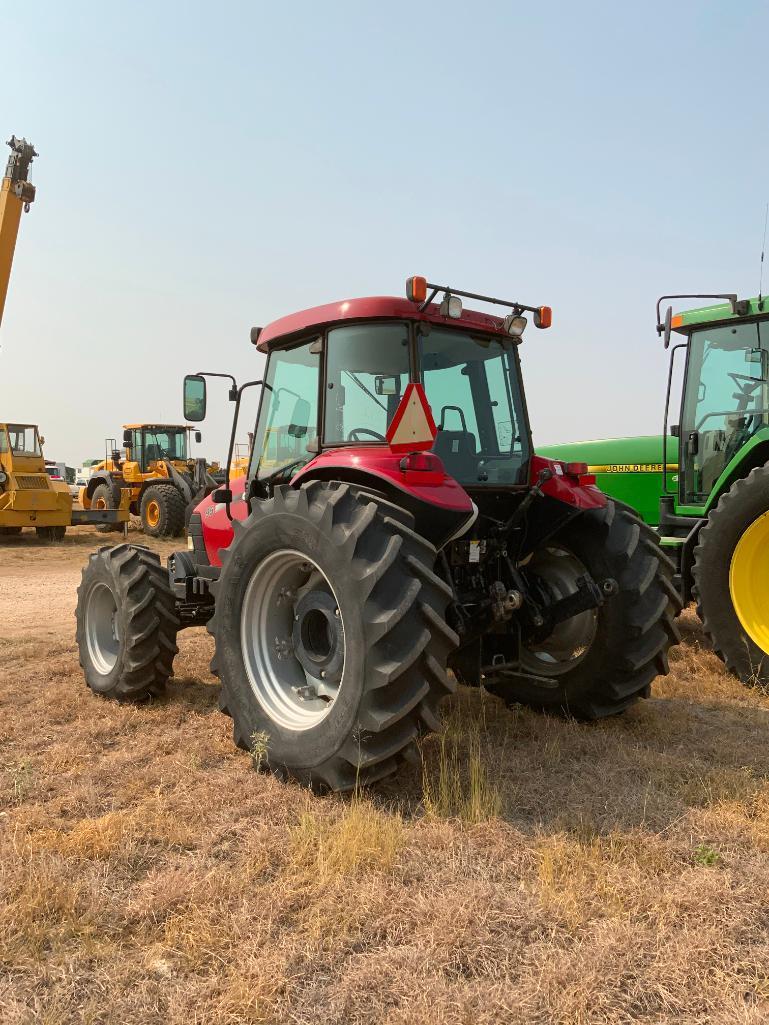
<point>572,874</point>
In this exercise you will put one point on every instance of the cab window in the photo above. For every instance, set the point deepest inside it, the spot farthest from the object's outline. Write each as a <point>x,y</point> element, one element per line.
<point>287,430</point>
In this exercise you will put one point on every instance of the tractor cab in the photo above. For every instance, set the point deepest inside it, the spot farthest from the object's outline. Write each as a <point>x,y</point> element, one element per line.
<point>725,402</point>
<point>336,376</point>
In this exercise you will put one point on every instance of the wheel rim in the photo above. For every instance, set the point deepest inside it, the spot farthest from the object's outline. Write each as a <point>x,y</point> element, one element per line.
<point>100,503</point>
<point>153,513</point>
<point>102,629</point>
<point>748,574</point>
<point>568,644</point>
<point>292,637</point>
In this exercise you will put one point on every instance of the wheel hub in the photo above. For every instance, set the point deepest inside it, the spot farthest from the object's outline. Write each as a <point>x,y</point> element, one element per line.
<point>293,640</point>
<point>101,629</point>
<point>556,573</point>
<point>317,636</point>
<point>748,573</point>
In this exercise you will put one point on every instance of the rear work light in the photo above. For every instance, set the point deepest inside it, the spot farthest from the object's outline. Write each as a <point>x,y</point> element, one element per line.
<point>416,289</point>
<point>422,462</point>
<point>543,317</point>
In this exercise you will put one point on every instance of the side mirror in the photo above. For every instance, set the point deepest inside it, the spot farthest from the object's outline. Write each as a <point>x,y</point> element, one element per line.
<point>668,326</point>
<point>198,437</point>
<point>128,438</point>
<point>194,398</point>
<point>386,385</point>
<point>41,439</point>
<point>300,419</point>
<point>759,360</point>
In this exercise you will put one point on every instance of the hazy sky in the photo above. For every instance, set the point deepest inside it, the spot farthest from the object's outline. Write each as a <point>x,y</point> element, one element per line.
<point>206,167</point>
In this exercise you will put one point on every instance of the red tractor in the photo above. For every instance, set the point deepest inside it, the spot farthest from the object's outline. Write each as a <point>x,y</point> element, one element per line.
<point>368,551</point>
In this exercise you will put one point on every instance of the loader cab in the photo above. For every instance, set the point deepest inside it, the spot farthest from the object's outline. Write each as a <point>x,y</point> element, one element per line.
<point>341,386</point>
<point>725,400</point>
<point>146,444</point>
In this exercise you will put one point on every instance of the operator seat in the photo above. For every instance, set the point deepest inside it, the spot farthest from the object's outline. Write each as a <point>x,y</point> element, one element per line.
<point>457,451</point>
<point>152,453</point>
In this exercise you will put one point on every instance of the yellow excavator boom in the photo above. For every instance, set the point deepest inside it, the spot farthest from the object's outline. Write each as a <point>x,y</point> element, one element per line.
<point>16,193</point>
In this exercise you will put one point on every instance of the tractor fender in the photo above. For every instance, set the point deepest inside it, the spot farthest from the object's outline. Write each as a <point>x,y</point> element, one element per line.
<point>441,507</point>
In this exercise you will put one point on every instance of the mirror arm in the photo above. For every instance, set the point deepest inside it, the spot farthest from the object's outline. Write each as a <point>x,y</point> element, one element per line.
<point>233,395</point>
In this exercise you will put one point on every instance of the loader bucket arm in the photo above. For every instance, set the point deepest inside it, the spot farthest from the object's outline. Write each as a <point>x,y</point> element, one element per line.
<point>16,193</point>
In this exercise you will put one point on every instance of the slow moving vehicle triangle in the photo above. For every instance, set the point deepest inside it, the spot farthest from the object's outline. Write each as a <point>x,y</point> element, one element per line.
<point>412,428</point>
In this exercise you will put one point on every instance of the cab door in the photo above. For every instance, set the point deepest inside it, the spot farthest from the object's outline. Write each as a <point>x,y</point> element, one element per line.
<point>724,403</point>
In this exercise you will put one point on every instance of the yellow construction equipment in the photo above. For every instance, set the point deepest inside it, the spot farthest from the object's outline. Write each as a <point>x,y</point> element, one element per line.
<point>16,194</point>
<point>163,481</point>
<point>30,498</point>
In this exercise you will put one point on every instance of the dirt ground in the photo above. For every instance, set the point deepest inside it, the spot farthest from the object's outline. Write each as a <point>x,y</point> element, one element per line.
<point>530,871</point>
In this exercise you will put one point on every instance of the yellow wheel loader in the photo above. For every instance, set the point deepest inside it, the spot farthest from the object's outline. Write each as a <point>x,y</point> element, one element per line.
<point>29,497</point>
<point>163,481</point>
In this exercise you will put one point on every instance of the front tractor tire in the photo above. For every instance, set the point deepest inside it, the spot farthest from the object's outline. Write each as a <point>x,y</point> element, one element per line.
<point>731,575</point>
<point>598,663</point>
<point>331,636</point>
<point>162,511</point>
<point>126,623</point>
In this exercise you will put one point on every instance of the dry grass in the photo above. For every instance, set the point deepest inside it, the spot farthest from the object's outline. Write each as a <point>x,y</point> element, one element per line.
<point>532,870</point>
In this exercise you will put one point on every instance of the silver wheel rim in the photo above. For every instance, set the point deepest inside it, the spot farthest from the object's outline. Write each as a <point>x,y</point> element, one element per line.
<point>290,624</point>
<point>102,629</point>
<point>571,640</point>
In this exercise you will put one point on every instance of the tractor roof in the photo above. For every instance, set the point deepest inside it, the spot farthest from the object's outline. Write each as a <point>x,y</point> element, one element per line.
<point>683,322</point>
<point>156,427</point>
<point>380,307</point>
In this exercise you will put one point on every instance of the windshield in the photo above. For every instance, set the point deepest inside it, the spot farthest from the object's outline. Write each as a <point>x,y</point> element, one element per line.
<point>23,438</point>
<point>473,387</point>
<point>367,371</point>
<point>164,443</point>
<point>726,400</point>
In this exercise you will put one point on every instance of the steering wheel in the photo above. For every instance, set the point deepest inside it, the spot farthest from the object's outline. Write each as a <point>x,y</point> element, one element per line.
<point>364,430</point>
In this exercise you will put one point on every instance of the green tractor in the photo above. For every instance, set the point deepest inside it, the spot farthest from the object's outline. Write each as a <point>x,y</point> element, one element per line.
<point>710,503</point>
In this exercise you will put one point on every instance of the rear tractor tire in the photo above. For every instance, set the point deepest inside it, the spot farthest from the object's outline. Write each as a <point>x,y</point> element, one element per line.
<point>162,511</point>
<point>731,577</point>
<point>49,535</point>
<point>599,662</point>
<point>331,636</point>
<point>126,623</point>
<point>103,498</point>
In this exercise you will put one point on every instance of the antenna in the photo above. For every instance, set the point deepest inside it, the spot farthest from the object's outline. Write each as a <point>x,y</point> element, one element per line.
<point>763,249</point>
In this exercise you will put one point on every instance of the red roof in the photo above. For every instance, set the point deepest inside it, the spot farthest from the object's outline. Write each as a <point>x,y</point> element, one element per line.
<point>376,307</point>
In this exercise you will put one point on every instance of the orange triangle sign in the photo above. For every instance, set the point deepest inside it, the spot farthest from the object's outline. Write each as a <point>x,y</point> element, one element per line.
<point>413,428</point>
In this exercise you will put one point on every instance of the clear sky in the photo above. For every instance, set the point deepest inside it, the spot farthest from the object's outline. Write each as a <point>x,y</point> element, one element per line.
<point>206,167</point>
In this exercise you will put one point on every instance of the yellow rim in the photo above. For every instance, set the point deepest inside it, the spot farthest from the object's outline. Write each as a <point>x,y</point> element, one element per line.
<point>153,513</point>
<point>748,576</point>
<point>100,503</point>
